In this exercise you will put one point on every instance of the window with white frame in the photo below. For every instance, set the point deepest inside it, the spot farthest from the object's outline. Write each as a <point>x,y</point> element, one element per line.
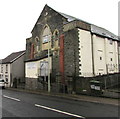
<point>1,68</point>
<point>6,68</point>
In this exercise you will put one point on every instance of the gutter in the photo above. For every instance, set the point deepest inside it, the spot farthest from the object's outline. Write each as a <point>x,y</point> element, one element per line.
<point>17,57</point>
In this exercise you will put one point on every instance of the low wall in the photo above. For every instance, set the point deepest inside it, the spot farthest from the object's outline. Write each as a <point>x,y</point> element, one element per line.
<point>73,84</point>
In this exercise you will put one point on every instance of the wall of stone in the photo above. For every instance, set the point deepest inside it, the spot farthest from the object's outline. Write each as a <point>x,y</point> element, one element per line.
<point>31,83</point>
<point>71,54</point>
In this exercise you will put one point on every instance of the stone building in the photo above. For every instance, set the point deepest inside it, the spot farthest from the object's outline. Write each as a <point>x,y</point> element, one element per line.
<point>64,46</point>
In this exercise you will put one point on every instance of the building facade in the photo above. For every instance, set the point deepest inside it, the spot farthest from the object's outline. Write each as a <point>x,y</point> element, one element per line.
<point>64,46</point>
<point>12,68</point>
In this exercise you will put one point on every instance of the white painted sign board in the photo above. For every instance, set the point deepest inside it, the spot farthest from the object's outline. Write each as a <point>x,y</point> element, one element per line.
<point>43,68</point>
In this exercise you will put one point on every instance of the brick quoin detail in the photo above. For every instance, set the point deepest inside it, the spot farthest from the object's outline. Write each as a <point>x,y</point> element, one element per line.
<point>62,58</point>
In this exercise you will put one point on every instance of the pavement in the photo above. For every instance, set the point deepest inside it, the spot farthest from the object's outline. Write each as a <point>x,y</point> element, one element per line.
<point>100,100</point>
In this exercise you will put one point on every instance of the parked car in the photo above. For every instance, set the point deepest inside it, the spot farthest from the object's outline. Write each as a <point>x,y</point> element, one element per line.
<point>2,83</point>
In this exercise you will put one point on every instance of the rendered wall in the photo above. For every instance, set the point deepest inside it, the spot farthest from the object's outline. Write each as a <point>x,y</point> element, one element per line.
<point>85,53</point>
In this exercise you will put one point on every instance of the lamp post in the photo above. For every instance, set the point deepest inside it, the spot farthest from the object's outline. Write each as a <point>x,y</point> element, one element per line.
<point>49,88</point>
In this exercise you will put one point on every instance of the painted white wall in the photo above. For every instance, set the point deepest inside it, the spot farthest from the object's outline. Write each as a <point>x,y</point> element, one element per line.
<point>105,54</point>
<point>112,53</point>
<point>107,49</point>
<point>32,69</point>
<point>85,53</point>
<point>99,55</point>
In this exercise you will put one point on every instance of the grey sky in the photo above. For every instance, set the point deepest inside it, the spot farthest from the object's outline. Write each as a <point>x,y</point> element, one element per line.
<point>18,17</point>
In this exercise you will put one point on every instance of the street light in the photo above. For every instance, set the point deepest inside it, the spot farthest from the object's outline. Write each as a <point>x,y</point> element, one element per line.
<point>49,88</point>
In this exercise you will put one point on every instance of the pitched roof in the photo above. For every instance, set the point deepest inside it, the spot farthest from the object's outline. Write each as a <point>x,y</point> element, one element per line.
<point>94,29</point>
<point>103,32</point>
<point>71,18</point>
<point>12,57</point>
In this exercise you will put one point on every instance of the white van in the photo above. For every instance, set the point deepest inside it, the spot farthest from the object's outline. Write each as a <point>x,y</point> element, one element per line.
<point>2,83</point>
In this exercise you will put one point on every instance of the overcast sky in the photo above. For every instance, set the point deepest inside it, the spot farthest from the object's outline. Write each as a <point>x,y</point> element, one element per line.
<point>18,17</point>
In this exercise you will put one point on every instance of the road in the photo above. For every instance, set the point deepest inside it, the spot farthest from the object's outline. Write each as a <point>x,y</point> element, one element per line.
<point>22,104</point>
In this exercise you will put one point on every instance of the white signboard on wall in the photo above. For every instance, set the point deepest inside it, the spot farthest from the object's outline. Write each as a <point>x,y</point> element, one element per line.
<point>43,68</point>
<point>31,65</point>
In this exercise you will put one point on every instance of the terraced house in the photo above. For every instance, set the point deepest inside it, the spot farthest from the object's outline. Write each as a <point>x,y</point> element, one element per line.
<point>64,46</point>
<point>12,68</point>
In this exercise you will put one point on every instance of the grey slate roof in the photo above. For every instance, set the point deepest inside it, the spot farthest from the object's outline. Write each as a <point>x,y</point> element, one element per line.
<point>94,29</point>
<point>69,18</point>
<point>12,57</point>
<point>103,32</point>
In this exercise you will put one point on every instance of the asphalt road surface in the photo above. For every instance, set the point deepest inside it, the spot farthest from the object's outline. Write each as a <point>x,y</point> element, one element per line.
<point>21,104</point>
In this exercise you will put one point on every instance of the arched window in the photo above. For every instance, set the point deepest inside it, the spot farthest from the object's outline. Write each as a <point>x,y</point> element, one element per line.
<point>56,39</point>
<point>36,44</point>
<point>46,38</point>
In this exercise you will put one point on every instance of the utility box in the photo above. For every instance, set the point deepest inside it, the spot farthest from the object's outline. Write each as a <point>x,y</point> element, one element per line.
<point>96,87</point>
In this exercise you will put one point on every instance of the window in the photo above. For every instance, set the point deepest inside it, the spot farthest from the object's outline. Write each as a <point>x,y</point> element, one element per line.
<point>46,35</point>
<point>100,58</point>
<point>56,35</point>
<point>6,78</point>
<point>111,59</point>
<point>55,39</point>
<point>99,73</point>
<point>46,38</point>
<point>6,68</point>
<point>36,44</point>
<point>1,68</point>
<point>111,42</point>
